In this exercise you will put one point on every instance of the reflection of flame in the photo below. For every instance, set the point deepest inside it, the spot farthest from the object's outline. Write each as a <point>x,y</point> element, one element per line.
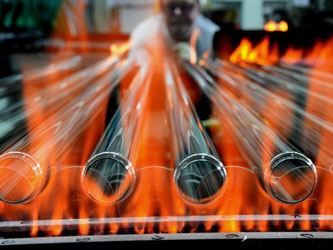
<point>283,26</point>
<point>272,26</point>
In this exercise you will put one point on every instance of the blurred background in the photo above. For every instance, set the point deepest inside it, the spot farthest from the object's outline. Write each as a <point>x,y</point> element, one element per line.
<point>34,25</point>
<point>38,18</point>
<point>121,16</point>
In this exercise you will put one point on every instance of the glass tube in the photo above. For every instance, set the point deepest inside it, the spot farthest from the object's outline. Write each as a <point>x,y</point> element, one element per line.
<point>109,177</point>
<point>199,174</point>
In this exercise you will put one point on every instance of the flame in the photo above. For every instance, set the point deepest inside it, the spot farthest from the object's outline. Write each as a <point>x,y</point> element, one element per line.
<point>283,26</point>
<point>272,26</point>
<point>260,54</point>
<point>266,54</point>
<point>293,55</point>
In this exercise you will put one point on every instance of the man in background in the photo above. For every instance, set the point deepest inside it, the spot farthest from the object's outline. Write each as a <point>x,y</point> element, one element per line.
<point>188,30</point>
<point>181,25</point>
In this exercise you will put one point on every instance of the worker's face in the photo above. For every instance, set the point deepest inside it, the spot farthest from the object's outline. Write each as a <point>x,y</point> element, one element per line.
<point>179,16</point>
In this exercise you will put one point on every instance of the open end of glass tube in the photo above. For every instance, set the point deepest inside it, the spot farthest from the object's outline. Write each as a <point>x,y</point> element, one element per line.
<point>292,178</point>
<point>200,178</point>
<point>108,178</point>
<point>21,178</point>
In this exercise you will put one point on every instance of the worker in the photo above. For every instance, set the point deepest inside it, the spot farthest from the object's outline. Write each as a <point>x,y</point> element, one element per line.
<point>182,26</point>
<point>184,21</point>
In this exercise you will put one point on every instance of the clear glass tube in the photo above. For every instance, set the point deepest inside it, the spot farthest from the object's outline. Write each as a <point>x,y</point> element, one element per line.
<point>109,176</point>
<point>199,174</point>
<point>286,175</point>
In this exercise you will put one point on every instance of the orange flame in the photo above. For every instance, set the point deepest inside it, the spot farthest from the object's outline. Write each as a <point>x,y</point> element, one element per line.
<point>272,26</point>
<point>283,26</point>
<point>260,54</point>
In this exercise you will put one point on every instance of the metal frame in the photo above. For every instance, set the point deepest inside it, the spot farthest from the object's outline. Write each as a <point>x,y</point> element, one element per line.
<point>159,237</point>
<point>19,226</point>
